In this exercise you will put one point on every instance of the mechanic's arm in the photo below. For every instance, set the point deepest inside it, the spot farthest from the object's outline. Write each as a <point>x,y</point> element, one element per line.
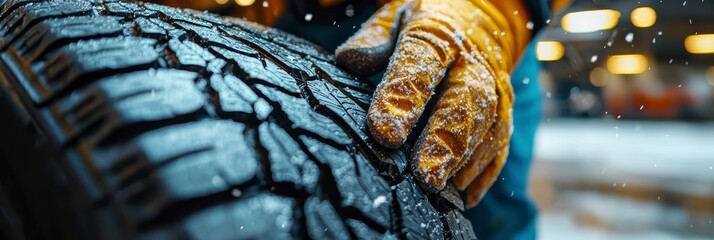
<point>475,42</point>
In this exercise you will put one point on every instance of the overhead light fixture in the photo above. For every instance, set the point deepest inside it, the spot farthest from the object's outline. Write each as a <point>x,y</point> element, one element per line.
<point>699,44</point>
<point>590,21</point>
<point>643,17</point>
<point>627,64</point>
<point>244,3</point>
<point>549,50</point>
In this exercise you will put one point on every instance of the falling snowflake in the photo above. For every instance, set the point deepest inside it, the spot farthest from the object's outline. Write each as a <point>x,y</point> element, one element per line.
<point>629,37</point>
<point>236,193</point>
<point>378,201</point>
<point>350,11</point>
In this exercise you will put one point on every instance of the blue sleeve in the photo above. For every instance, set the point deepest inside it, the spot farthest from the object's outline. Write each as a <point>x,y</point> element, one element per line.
<point>540,12</point>
<point>506,211</point>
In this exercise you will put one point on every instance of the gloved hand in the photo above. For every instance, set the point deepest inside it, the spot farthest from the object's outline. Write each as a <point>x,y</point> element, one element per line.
<point>468,132</point>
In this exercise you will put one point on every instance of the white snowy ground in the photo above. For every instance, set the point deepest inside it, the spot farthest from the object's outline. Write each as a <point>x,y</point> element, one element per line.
<point>612,179</point>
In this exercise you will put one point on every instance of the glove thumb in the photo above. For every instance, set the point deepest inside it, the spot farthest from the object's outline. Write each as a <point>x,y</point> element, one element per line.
<point>367,52</point>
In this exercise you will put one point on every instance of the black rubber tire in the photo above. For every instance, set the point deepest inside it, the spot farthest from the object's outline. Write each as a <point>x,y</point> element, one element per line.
<point>134,120</point>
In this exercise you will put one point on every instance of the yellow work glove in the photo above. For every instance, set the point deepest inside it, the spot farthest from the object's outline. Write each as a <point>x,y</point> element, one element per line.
<point>477,45</point>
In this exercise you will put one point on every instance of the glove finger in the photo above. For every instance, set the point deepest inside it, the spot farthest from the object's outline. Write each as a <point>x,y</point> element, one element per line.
<point>368,51</point>
<point>419,63</point>
<point>485,180</point>
<point>497,137</point>
<point>461,118</point>
<point>477,162</point>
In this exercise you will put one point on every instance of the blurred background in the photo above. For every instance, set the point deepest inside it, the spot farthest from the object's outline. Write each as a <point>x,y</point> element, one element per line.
<point>626,146</point>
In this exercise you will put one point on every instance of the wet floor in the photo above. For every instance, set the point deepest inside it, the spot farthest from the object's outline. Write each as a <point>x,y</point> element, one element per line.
<point>610,179</point>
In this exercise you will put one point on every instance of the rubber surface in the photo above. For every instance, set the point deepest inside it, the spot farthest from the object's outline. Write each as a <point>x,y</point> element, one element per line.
<point>135,120</point>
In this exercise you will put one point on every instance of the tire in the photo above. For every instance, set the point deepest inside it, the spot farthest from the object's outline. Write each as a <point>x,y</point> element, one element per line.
<point>139,121</point>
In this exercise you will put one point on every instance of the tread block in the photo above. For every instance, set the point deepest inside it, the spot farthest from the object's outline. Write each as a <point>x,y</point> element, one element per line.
<point>262,109</point>
<point>234,96</point>
<point>303,117</point>
<point>212,18</point>
<point>294,64</point>
<point>270,73</point>
<point>171,165</point>
<point>128,99</point>
<point>459,227</point>
<point>293,43</point>
<point>121,8</point>
<point>50,34</point>
<point>342,77</point>
<point>365,232</point>
<point>216,66</point>
<point>264,216</point>
<point>264,71</point>
<point>299,45</point>
<point>364,99</point>
<point>355,117</point>
<point>310,176</point>
<point>234,57</point>
<point>213,37</point>
<point>449,198</point>
<point>150,28</point>
<point>285,157</point>
<point>8,24</point>
<point>228,157</point>
<point>253,28</point>
<point>29,14</point>
<point>287,162</point>
<point>7,7</point>
<point>176,14</point>
<point>419,219</point>
<point>189,53</point>
<point>98,57</point>
<point>323,222</point>
<point>357,184</point>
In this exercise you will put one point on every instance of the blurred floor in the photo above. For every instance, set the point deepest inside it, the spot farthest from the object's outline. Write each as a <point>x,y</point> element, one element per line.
<point>608,179</point>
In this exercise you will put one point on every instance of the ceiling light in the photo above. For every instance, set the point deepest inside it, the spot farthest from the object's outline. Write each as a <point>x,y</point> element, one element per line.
<point>627,64</point>
<point>699,44</point>
<point>549,50</point>
<point>244,3</point>
<point>643,17</point>
<point>590,21</point>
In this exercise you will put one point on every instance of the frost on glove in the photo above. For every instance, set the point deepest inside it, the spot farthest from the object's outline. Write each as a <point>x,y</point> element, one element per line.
<point>472,46</point>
